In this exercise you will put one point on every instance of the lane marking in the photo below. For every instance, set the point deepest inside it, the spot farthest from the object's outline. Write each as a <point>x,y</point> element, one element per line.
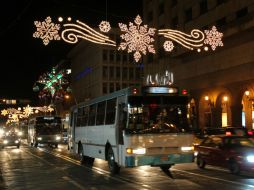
<point>73,182</point>
<point>214,178</point>
<point>102,172</point>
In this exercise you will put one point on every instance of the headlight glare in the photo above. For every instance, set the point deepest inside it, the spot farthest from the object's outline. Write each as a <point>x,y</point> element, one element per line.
<point>39,138</point>
<point>58,138</point>
<point>5,141</point>
<point>250,158</point>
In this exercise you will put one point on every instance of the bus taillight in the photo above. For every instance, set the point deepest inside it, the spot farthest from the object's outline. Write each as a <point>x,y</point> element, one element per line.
<point>184,91</point>
<point>134,91</point>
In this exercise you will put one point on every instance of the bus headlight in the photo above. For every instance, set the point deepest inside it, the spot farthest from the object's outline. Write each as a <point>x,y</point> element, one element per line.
<point>5,141</point>
<point>39,138</point>
<point>250,158</point>
<point>136,151</point>
<point>58,138</point>
<point>187,148</point>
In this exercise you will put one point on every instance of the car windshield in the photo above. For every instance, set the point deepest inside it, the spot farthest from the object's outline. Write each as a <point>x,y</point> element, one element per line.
<point>246,142</point>
<point>157,115</point>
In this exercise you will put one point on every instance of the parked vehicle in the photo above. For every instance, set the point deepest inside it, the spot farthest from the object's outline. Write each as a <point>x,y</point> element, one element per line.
<point>229,151</point>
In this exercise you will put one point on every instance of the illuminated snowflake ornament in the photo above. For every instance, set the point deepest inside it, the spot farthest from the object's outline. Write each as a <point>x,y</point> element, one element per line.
<point>137,38</point>
<point>27,110</point>
<point>213,38</point>
<point>4,112</point>
<point>168,46</point>
<point>104,26</point>
<point>47,30</point>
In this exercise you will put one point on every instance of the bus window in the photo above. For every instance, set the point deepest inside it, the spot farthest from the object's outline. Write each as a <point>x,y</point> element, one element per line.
<point>153,115</point>
<point>110,111</point>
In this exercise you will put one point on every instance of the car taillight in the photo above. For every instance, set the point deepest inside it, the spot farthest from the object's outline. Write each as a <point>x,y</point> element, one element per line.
<point>228,133</point>
<point>250,133</point>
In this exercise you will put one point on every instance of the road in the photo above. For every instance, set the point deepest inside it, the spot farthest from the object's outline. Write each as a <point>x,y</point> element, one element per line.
<point>45,168</point>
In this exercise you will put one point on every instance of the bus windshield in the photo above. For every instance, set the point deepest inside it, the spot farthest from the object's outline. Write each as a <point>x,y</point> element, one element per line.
<point>48,126</point>
<point>157,114</point>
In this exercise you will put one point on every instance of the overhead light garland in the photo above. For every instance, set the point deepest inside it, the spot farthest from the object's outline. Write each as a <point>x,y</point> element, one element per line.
<point>136,38</point>
<point>53,84</point>
<point>14,115</point>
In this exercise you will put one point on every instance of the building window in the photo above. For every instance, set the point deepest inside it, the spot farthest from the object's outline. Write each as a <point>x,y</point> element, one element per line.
<point>118,57</point>
<point>105,72</point>
<point>118,72</point>
<point>150,58</point>
<point>138,74</point>
<point>174,22</point>
<point>150,16</point>
<point>161,8</point>
<point>173,3</point>
<point>125,73</point>
<point>117,86</point>
<point>105,88</point>
<point>111,72</point>
<point>111,55</point>
<point>242,12</point>
<point>203,7</point>
<point>105,55</point>
<point>124,57</point>
<point>188,15</point>
<point>111,87</point>
<point>131,73</point>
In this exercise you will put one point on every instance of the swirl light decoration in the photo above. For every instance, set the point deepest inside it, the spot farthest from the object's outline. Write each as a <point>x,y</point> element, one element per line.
<point>72,32</point>
<point>195,40</point>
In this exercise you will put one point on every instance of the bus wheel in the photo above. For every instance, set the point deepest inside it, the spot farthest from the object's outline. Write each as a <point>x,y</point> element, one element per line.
<point>113,167</point>
<point>165,168</point>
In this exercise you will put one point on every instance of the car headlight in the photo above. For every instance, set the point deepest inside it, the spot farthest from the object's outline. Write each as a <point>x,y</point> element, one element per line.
<point>250,158</point>
<point>39,138</point>
<point>136,151</point>
<point>58,138</point>
<point>5,141</point>
<point>16,141</point>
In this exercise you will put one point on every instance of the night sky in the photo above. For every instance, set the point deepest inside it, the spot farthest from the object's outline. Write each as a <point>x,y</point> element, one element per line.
<point>24,58</point>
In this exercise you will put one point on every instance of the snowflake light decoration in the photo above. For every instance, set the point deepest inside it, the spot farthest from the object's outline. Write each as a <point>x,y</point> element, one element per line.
<point>47,30</point>
<point>104,26</point>
<point>168,45</point>
<point>213,38</point>
<point>27,110</point>
<point>4,112</point>
<point>137,38</point>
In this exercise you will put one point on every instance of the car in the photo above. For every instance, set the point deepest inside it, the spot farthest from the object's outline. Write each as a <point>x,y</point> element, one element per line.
<point>229,151</point>
<point>202,134</point>
<point>11,139</point>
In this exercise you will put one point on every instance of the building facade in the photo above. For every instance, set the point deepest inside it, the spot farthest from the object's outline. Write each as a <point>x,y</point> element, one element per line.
<point>221,82</point>
<point>99,69</point>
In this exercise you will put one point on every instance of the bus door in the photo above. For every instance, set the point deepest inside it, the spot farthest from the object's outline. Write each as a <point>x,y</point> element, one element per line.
<point>121,124</point>
<point>73,122</point>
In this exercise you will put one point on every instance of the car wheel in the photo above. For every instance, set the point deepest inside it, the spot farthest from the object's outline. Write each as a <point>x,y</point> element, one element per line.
<point>113,167</point>
<point>234,167</point>
<point>200,162</point>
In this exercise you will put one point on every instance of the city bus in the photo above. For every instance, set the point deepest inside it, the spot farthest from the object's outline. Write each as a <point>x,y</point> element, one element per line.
<point>44,130</point>
<point>133,127</point>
